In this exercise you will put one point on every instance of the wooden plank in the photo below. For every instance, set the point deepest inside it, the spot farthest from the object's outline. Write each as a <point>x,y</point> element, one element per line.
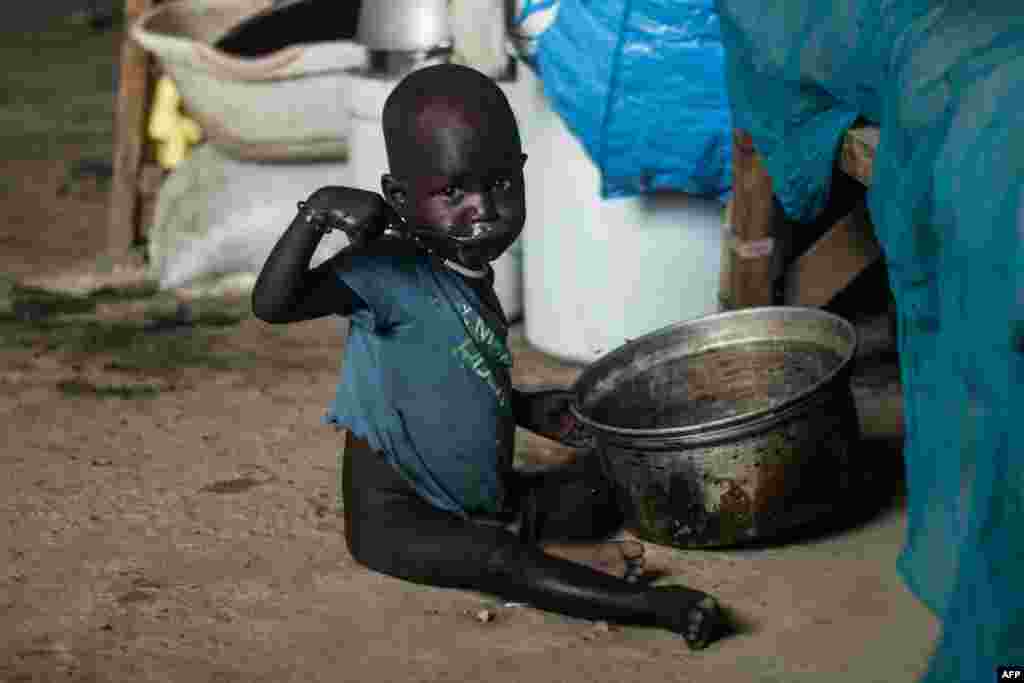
<point>132,101</point>
<point>857,157</point>
<point>151,178</point>
<point>832,263</point>
<point>752,217</point>
<point>147,212</point>
<point>725,267</point>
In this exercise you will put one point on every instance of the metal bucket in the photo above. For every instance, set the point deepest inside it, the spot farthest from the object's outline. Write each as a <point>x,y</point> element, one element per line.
<point>728,428</point>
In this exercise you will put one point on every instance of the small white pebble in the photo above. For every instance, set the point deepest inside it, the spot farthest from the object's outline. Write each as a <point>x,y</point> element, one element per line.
<point>484,616</point>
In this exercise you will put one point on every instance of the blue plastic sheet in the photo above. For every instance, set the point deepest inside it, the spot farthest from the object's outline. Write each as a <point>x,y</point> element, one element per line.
<point>945,83</point>
<point>640,83</point>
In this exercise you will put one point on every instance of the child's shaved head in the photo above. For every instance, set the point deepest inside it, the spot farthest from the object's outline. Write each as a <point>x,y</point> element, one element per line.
<point>445,101</point>
<point>456,162</point>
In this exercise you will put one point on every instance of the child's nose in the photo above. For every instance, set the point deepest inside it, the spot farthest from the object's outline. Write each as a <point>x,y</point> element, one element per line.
<point>481,205</point>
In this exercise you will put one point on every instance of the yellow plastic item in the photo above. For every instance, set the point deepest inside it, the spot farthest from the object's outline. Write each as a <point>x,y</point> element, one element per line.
<point>173,132</point>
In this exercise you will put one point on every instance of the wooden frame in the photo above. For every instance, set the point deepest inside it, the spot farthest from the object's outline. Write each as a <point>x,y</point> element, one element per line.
<point>135,182</point>
<point>751,254</point>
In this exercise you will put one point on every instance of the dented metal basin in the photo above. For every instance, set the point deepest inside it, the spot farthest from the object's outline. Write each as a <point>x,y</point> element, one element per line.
<point>729,428</point>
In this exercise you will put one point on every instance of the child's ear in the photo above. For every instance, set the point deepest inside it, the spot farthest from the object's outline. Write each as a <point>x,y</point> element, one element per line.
<point>395,192</point>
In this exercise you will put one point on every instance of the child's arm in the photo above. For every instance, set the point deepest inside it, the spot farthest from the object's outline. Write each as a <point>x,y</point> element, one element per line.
<point>287,290</point>
<point>545,411</point>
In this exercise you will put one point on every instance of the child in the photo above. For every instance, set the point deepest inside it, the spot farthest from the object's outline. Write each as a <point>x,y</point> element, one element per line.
<point>426,391</point>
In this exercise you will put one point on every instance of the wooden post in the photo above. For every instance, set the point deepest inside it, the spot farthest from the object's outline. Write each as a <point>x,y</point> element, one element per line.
<point>833,262</point>
<point>752,217</point>
<point>132,100</point>
<point>725,298</point>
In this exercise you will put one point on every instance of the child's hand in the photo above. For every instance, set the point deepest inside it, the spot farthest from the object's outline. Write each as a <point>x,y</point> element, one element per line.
<point>362,215</point>
<point>548,414</point>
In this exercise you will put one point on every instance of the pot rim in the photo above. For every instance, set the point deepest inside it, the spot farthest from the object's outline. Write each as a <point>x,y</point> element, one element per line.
<point>731,426</point>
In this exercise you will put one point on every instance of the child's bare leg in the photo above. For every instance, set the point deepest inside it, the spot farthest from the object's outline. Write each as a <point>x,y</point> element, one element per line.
<point>391,530</point>
<point>521,572</point>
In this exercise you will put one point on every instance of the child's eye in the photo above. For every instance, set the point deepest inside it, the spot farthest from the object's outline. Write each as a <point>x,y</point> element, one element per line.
<point>451,193</point>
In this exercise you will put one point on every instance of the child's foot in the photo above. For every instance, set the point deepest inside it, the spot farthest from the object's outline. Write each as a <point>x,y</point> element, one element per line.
<point>694,615</point>
<point>622,559</point>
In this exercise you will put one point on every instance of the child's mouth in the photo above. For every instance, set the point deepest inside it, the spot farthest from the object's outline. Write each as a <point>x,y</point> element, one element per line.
<point>475,243</point>
<point>474,233</point>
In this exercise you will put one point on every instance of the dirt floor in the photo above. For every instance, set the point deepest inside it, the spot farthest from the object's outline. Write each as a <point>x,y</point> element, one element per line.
<point>168,508</point>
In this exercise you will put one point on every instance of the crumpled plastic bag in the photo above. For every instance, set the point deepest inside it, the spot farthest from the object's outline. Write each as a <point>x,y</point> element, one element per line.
<point>218,217</point>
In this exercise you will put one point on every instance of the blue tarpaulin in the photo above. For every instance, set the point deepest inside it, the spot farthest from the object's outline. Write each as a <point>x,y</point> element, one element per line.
<point>945,83</point>
<point>640,84</point>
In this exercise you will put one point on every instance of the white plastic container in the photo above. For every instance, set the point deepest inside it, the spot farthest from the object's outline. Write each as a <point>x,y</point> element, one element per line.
<point>369,161</point>
<point>598,272</point>
<point>285,106</point>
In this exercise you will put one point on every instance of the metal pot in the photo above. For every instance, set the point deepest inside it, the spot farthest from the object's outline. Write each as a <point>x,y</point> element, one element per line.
<point>403,25</point>
<point>728,428</point>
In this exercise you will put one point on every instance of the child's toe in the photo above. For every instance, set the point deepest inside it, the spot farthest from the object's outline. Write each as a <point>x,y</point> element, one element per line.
<point>704,619</point>
<point>634,569</point>
<point>694,615</point>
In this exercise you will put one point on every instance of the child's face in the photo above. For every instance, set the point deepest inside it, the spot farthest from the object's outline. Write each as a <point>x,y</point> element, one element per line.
<point>462,174</point>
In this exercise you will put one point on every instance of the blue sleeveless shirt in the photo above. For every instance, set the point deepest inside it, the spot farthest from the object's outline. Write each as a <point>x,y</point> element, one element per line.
<point>425,380</point>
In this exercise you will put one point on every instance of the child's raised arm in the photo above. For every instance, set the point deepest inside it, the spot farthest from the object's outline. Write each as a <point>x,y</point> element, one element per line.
<point>287,290</point>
